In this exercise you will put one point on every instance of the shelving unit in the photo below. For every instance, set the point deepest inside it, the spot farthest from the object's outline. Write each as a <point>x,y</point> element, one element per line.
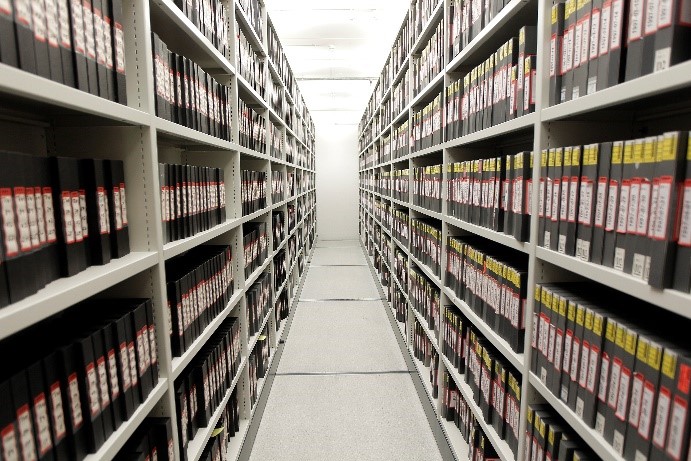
<point>41,117</point>
<point>648,105</point>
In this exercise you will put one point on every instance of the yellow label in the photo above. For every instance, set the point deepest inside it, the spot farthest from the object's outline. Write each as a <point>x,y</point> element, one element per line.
<point>589,319</point>
<point>649,150</point>
<point>654,356</point>
<point>621,335</point>
<point>642,349</point>
<point>521,36</point>
<point>529,415</point>
<point>544,155</point>
<point>576,156</point>
<point>550,436</point>
<point>630,345</point>
<point>669,364</point>
<point>617,152</point>
<point>558,157</point>
<point>666,151</point>
<point>597,324</point>
<point>518,161</point>
<point>610,332</point>
<point>555,14</point>
<point>538,292</point>
<point>556,300</point>
<point>580,315</point>
<point>568,151</point>
<point>218,431</point>
<point>562,307</point>
<point>546,297</point>
<point>571,314</point>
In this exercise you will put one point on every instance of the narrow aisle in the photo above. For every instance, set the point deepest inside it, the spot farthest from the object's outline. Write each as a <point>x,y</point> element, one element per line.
<point>342,389</point>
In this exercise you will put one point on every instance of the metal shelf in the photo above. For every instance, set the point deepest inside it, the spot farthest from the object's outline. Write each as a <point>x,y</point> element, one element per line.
<point>180,363</point>
<point>250,33</point>
<point>185,38</point>
<point>497,341</point>
<point>196,446</point>
<point>671,300</point>
<point>594,440</point>
<point>66,292</point>
<point>118,438</point>
<point>497,237</point>
<point>45,98</point>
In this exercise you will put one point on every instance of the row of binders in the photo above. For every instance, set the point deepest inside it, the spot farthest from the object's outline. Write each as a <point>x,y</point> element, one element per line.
<point>250,65</point>
<point>622,204</point>
<point>495,387</point>
<point>427,183</point>
<point>467,19</point>
<point>77,43</point>
<point>431,60</point>
<point>210,18</point>
<point>188,96</point>
<point>624,377</point>
<point>153,439</point>
<point>258,303</point>
<point>253,191</point>
<point>500,89</point>
<point>252,127</point>
<point>255,243</point>
<point>281,308</point>
<point>426,242</point>
<point>278,226</point>
<point>280,270</point>
<point>424,297</point>
<point>494,193</point>
<point>199,284</point>
<point>62,397</point>
<point>597,44</point>
<point>492,283</point>
<point>203,385</point>
<point>278,186</point>
<point>547,436</point>
<point>427,125</point>
<point>59,216</point>
<point>193,199</point>
<point>259,364</point>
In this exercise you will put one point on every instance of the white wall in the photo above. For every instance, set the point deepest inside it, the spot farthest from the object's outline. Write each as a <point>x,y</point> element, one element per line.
<point>337,177</point>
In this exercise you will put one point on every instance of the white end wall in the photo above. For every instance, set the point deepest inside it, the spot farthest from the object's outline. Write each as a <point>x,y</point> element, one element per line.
<point>337,177</point>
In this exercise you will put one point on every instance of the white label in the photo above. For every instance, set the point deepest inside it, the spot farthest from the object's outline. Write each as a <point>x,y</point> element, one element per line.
<point>89,30</point>
<point>82,214</point>
<point>42,424</point>
<point>22,219</point>
<point>10,450</point>
<point>617,16</point>
<point>635,20</point>
<point>51,234</point>
<point>604,372</point>
<point>605,18</point>
<point>103,382</point>
<point>92,390</point>
<point>113,375</point>
<point>662,59</point>
<point>592,368</point>
<point>123,204</point>
<point>643,208</point>
<point>594,36</point>
<point>132,359</point>
<point>661,417</point>
<point>58,412</point>
<point>636,397</point>
<point>623,397</point>
<point>634,200</point>
<point>26,434</point>
<point>77,217</point>
<point>67,217</point>
<point>623,207</point>
<point>125,367</point>
<point>75,404</point>
<point>40,215</point>
<point>614,384</point>
<point>119,49</point>
<point>651,16</point>
<point>676,428</point>
<point>646,410</point>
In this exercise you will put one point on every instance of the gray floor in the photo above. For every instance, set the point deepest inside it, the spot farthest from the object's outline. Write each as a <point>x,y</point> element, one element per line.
<point>342,389</point>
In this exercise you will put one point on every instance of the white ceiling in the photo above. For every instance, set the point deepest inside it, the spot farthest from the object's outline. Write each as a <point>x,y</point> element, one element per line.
<point>337,49</point>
